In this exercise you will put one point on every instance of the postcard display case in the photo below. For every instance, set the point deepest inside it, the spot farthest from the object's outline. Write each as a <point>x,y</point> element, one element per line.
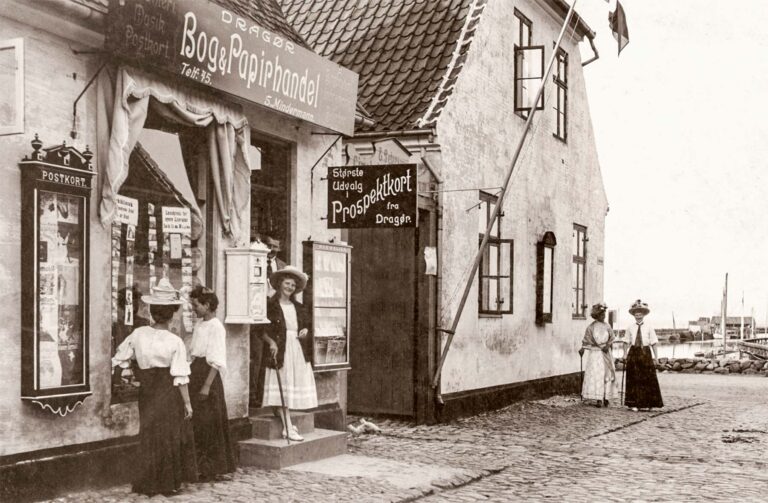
<point>55,193</point>
<point>327,295</point>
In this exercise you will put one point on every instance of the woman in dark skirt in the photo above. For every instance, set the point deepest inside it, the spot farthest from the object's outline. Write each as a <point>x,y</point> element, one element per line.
<point>642,388</point>
<point>166,455</point>
<point>209,359</point>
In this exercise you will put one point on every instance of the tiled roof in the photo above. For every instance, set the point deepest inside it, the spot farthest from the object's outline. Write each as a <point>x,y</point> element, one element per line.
<point>266,13</point>
<point>408,53</point>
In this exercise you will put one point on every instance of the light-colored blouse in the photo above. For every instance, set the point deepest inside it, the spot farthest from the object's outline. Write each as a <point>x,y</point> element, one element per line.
<point>209,342</point>
<point>152,348</point>
<point>289,313</point>
<point>647,334</point>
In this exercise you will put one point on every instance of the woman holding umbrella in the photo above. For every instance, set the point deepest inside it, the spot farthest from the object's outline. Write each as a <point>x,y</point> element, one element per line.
<point>289,350</point>
<point>640,342</point>
<point>599,373</point>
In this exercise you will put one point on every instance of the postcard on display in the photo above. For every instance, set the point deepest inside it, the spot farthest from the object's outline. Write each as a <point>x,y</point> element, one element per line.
<point>68,284</point>
<point>47,202</point>
<point>152,280</point>
<point>49,320</point>
<point>67,208</point>
<point>130,233</point>
<point>175,246</point>
<point>150,208</point>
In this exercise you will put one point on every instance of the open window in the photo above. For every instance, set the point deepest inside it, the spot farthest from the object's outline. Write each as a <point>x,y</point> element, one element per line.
<point>545,273</point>
<point>529,76</point>
<point>495,273</point>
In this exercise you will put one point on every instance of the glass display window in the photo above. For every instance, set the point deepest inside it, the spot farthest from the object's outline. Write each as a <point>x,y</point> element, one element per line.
<point>152,238</point>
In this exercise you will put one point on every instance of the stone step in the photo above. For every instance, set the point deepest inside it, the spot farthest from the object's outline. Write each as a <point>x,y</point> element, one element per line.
<point>269,427</point>
<point>277,454</point>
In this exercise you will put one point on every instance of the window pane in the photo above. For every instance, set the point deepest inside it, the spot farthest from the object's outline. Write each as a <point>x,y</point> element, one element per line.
<point>547,304</point>
<point>505,285</point>
<point>8,70</point>
<point>493,253</point>
<point>482,223</point>
<point>484,294</point>
<point>493,297</point>
<point>505,265</point>
<point>495,228</point>
<point>484,262</point>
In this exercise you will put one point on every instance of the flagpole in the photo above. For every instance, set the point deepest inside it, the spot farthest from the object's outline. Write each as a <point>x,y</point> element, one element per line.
<point>500,201</point>
<point>723,314</point>
<point>741,326</point>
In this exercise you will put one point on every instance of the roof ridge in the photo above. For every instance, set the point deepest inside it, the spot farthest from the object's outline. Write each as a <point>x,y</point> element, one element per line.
<point>455,65</point>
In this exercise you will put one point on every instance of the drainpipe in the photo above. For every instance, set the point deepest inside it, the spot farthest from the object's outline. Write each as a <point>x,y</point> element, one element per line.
<point>594,49</point>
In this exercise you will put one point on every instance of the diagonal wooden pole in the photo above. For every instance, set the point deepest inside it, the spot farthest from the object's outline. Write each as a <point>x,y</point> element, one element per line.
<point>500,203</point>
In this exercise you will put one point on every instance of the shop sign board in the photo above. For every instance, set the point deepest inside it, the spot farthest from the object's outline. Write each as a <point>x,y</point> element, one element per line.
<point>372,196</point>
<point>208,44</point>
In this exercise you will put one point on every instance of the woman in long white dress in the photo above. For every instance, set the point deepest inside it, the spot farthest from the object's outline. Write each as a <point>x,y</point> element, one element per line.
<point>599,372</point>
<point>289,349</point>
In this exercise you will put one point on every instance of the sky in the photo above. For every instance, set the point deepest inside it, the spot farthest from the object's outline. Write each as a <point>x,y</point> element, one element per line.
<point>680,121</point>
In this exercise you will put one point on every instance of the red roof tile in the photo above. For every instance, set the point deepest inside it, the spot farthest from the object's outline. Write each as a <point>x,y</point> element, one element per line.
<point>407,52</point>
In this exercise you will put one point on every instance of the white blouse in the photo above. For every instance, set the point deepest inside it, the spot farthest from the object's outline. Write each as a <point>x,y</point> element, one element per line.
<point>209,342</point>
<point>152,348</point>
<point>289,313</point>
<point>647,334</point>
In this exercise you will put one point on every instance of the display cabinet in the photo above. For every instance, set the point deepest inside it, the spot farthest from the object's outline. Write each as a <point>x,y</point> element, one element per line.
<point>55,194</point>
<point>327,297</point>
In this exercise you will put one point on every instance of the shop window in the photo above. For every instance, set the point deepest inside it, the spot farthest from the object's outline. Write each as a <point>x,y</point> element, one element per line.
<point>154,237</point>
<point>545,278</point>
<point>579,271</point>
<point>270,191</point>
<point>561,103</point>
<point>529,67</point>
<point>495,275</point>
<point>12,84</point>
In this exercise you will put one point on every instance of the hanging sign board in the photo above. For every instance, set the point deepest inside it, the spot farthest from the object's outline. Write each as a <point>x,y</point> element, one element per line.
<point>208,44</point>
<point>372,196</point>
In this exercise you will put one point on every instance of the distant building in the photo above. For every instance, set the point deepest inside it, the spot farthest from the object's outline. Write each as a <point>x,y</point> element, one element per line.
<point>733,326</point>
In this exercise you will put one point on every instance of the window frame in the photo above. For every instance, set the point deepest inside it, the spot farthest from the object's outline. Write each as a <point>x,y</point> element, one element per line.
<point>495,242</point>
<point>560,78</point>
<point>16,127</point>
<point>548,242</point>
<point>579,260</point>
<point>522,22</point>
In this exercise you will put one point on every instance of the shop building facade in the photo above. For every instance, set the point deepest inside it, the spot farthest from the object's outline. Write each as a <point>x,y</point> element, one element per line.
<point>444,81</point>
<point>196,167</point>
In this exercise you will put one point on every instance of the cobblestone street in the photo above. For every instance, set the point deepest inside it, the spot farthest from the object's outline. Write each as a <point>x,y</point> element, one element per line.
<point>708,443</point>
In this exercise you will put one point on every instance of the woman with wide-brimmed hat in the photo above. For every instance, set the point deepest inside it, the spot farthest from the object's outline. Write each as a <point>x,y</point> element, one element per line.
<point>599,382</point>
<point>166,455</point>
<point>288,349</point>
<point>642,390</point>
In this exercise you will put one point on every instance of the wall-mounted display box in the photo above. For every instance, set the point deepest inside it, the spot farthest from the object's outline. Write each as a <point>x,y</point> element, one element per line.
<point>327,297</point>
<point>55,193</point>
<point>246,300</point>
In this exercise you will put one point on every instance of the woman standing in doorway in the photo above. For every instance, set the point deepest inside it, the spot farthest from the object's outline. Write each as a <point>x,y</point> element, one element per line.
<point>640,342</point>
<point>288,349</point>
<point>599,372</point>
<point>208,351</point>
<point>166,455</point>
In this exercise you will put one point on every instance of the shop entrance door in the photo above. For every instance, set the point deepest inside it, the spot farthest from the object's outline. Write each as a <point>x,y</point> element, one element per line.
<point>392,321</point>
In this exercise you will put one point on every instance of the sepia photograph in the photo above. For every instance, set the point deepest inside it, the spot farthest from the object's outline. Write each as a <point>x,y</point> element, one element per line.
<point>383,250</point>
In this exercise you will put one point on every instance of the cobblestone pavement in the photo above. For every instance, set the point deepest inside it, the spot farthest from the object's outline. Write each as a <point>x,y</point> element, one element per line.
<point>708,443</point>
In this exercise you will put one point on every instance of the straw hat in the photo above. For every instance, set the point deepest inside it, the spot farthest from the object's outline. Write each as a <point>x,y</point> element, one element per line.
<point>599,309</point>
<point>292,272</point>
<point>639,307</point>
<point>163,294</point>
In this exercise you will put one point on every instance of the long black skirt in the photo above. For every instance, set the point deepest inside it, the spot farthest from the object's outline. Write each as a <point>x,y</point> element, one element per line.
<point>642,385</point>
<point>166,441</point>
<point>215,455</point>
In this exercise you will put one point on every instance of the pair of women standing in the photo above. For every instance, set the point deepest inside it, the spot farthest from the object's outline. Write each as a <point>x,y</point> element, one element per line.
<point>599,383</point>
<point>169,398</point>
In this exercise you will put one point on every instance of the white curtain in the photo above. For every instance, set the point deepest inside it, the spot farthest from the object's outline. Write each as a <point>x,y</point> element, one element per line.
<point>122,112</point>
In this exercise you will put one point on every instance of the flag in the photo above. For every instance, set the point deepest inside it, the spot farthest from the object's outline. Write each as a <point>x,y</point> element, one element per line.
<point>617,21</point>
